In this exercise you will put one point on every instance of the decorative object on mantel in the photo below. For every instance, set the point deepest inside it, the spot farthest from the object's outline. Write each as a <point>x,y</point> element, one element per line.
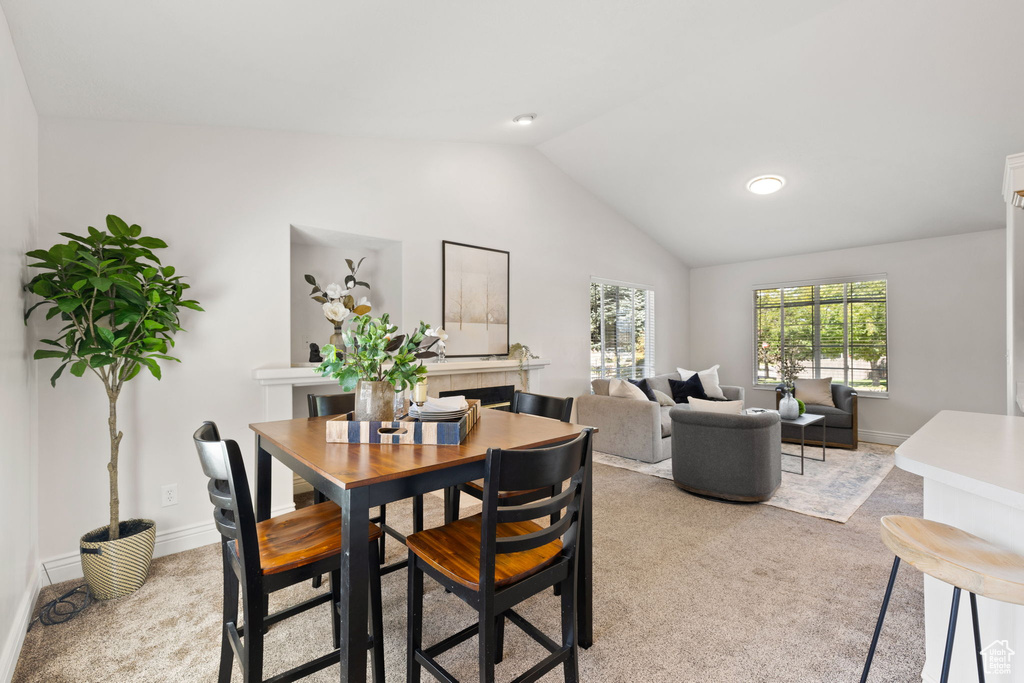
<point>522,353</point>
<point>338,302</point>
<point>408,431</point>
<point>120,310</point>
<point>442,337</point>
<point>314,353</point>
<point>475,299</point>
<point>359,364</point>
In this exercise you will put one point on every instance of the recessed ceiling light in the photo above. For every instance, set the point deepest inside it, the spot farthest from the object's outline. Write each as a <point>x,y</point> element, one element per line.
<point>766,184</point>
<point>524,119</point>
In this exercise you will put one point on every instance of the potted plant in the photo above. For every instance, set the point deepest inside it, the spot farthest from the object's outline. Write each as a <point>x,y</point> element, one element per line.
<point>337,301</point>
<point>369,345</point>
<point>119,307</point>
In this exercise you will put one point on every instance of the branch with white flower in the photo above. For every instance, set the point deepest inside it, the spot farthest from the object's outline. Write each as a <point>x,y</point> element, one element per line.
<point>337,301</point>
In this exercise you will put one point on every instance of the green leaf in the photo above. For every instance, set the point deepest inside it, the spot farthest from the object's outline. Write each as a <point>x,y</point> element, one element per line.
<point>42,288</point>
<point>309,278</point>
<point>136,230</point>
<point>78,285</point>
<point>149,272</point>
<point>360,263</point>
<point>152,243</point>
<point>152,325</point>
<point>99,361</point>
<point>154,296</point>
<point>359,283</point>
<point>168,271</point>
<point>117,227</point>
<point>78,369</point>
<point>154,367</point>
<point>320,299</point>
<point>107,334</point>
<point>351,266</point>
<point>350,281</point>
<point>101,283</point>
<point>44,353</point>
<point>54,376</point>
<point>68,305</point>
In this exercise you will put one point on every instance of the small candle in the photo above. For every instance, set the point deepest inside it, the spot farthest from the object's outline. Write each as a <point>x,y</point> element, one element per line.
<point>419,393</point>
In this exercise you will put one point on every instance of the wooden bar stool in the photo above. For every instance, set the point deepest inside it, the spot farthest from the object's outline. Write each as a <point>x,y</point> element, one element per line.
<point>264,557</point>
<point>955,557</point>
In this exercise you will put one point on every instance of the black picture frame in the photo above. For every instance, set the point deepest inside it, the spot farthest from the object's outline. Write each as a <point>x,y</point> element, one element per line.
<point>492,310</point>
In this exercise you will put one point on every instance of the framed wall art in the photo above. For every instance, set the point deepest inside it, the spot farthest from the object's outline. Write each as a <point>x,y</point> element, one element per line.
<point>475,296</point>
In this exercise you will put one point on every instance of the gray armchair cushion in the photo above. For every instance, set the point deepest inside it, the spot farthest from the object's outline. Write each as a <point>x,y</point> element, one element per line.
<point>600,386</point>
<point>666,421</point>
<point>834,417</point>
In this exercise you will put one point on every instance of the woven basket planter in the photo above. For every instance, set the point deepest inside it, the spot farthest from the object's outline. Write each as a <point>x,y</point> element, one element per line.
<point>114,569</point>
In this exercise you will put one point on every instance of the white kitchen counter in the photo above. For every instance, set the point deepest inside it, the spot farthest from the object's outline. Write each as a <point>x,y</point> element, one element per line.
<point>973,470</point>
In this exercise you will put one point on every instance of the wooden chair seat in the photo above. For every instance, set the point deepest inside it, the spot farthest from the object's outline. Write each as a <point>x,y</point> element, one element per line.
<point>956,557</point>
<point>478,488</point>
<point>454,550</point>
<point>302,537</point>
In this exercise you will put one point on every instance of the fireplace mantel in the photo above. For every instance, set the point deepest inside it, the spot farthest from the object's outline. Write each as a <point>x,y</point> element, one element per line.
<point>277,382</point>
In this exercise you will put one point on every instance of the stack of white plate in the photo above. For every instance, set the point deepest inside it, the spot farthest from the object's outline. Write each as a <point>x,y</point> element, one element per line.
<point>436,416</point>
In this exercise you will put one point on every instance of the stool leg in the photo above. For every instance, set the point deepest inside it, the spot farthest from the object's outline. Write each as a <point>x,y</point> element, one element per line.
<point>977,638</point>
<point>383,521</point>
<point>950,635</point>
<point>318,498</point>
<point>881,618</point>
<point>415,621</point>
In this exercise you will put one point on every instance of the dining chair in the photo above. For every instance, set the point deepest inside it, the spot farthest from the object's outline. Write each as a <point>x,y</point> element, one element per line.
<point>264,557</point>
<point>339,404</point>
<point>526,404</point>
<point>495,560</point>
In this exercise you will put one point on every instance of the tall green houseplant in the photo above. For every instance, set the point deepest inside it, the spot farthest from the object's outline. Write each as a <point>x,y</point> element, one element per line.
<point>119,306</point>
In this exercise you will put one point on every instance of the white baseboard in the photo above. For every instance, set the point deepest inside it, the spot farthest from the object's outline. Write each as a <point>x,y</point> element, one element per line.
<point>888,438</point>
<point>23,616</point>
<point>68,566</point>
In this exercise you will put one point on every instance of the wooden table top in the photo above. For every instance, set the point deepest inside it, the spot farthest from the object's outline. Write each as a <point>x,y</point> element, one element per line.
<point>360,464</point>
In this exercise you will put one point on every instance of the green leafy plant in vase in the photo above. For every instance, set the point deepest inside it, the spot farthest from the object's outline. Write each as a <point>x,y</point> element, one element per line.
<point>376,363</point>
<point>119,306</point>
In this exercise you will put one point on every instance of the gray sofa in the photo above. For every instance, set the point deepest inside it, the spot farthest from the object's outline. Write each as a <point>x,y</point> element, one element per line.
<point>734,457</point>
<point>641,430</point>
<point>840,421</point>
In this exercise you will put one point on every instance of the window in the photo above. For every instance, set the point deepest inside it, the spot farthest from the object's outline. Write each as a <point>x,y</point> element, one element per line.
<point>621,330</point>
<point>830,328</point>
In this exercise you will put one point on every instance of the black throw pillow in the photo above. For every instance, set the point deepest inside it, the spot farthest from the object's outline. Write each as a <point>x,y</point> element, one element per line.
<point>644,387</point>
<point>682,392</point>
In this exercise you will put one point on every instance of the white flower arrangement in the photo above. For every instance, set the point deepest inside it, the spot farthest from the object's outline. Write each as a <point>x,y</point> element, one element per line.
<point>337,300</point>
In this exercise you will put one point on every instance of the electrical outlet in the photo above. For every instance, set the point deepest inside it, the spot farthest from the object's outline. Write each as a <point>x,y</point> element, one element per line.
<point>168,495</point>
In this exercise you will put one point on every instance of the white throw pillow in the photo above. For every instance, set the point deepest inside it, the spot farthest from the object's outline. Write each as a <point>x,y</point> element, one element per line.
<point>709,378</point>
<point>663,398</point>
<point>620,388</point>
<point>729,407</point>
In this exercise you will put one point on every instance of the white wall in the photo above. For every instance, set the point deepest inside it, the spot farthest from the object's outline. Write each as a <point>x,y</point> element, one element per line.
<point>224,199</point>
<point>19,569</point>
<point>947,321</point>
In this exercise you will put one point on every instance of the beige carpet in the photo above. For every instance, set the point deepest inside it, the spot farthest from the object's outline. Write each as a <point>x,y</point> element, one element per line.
<point>687,589</point>
<point>832,489</point>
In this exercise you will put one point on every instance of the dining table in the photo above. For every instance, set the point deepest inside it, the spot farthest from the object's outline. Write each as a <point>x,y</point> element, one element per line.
<point>361,476</point>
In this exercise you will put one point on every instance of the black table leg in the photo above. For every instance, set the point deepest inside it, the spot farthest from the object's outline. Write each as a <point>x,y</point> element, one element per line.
<point>585,573</point>
<point>263,464</point>
<point>355,582</point>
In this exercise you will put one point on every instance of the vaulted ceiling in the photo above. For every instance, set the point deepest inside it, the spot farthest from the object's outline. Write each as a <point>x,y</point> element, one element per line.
<point>890,121</point>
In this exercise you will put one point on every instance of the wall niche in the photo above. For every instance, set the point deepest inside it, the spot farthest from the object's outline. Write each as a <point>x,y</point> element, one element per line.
<point>322,254</point>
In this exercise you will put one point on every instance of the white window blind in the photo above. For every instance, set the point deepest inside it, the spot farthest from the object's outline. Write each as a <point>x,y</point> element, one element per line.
<point>829,328</point>
<point>621,330</point>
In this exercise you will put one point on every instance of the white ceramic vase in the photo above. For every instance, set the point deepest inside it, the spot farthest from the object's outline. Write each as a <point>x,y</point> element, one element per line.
<point>789,409</point>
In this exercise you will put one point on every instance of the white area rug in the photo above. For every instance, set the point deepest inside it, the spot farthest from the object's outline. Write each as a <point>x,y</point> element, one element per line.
<point>831,490</point>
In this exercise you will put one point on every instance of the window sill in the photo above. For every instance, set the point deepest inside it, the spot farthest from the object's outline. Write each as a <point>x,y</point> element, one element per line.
<point>860,394</point>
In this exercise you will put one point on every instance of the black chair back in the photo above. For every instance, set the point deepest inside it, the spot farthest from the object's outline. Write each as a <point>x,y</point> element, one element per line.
<point>337,404</point>
<point>535,468</point>
<point>544,406</point>
<point>229,493</point>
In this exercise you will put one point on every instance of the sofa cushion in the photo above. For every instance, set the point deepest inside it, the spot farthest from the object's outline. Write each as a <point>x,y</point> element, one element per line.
<point>834,417</point>
<point>620,388</point>
<point>727,407</point>
<point>708,378</point>
<point>642,385</point>
<point>816,391</point>
<point>682,392</point>
<point>663,399</point>
<point>666,421</point>
<point>660,382</point>
<point>600,386</point>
